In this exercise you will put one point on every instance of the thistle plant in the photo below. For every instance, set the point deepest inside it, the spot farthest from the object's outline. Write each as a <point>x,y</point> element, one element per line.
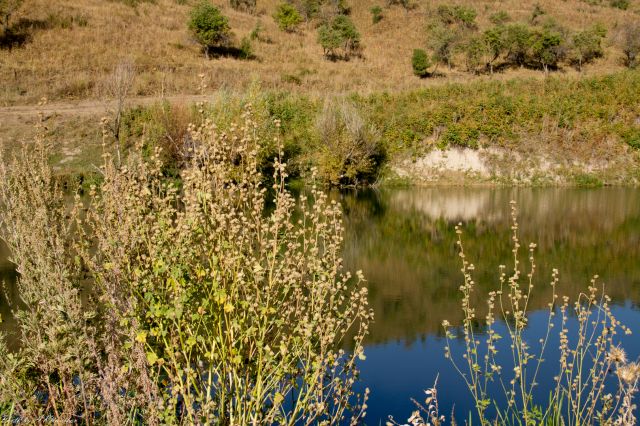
<point>209,305</point>
<point>582,394</point>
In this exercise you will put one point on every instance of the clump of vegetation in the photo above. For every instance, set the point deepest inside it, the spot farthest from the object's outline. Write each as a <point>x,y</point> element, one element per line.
<point>630,43</point>
<point>350,152</point>
<point>287,17</point>
<point>619,4</point>
<point>586,358</point>
<point>245,5</point>
<point>376,14</point>
<point>420,63</point>
<point>7,9</point>
<point>339,38</point>
<point>206,307</point>
<point>209,26</point>
<point>587,45</point>
<point>499,18</point>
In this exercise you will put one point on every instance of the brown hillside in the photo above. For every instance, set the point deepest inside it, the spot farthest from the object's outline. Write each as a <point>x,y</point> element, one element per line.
<point>73,45</point>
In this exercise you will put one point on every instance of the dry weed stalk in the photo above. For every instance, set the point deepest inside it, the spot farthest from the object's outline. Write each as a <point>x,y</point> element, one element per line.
<point>580,395</point>
<point>212,308</point>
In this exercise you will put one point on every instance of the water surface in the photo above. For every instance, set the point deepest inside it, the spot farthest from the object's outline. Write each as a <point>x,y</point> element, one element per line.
<point>404,240</point>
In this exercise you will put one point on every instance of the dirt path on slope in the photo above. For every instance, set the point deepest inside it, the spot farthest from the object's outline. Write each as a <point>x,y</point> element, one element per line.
<point>90,107</point>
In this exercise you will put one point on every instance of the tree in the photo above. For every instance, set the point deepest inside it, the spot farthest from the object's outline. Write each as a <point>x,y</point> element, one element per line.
<point>287,17</point>
<point>587,45</point>
<point>443,40</point>
<point>494,41</point>
<point>246,5</point>
<point>517,40</point>
<point>474,50</point>
<point>209,27</point>
<point>7,9</point>
<point>420,63</point>
<point>457,15</point>
<point>630,44</point>
<point>546,48</point>
<point>340,33</point>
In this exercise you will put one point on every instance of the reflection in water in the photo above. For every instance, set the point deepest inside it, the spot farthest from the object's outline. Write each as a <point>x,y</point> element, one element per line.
<point>404,241</point>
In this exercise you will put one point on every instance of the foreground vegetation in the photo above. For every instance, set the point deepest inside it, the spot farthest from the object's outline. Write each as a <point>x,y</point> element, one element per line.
<point>164,302</point>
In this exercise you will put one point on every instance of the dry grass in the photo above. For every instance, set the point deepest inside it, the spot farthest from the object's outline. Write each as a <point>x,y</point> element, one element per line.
<point>63,62</point>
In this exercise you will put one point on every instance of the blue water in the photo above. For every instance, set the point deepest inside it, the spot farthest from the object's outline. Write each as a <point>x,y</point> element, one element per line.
<point>404,241</point>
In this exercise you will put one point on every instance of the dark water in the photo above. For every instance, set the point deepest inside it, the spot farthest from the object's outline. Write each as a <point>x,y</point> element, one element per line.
<point>404,241</point>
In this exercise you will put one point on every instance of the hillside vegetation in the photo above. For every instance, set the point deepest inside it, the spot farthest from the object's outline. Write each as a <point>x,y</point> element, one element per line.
<point>68,49</point>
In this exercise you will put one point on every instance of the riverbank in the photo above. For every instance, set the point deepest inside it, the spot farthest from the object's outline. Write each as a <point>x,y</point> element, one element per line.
<point>558,131</point>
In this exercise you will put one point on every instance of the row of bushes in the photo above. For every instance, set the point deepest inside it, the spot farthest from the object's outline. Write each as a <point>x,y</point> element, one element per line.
<point>349,139</point>
<point>452,33</point>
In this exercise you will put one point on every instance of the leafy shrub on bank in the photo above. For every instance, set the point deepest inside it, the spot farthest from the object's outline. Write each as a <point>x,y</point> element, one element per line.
<point>420,63</point>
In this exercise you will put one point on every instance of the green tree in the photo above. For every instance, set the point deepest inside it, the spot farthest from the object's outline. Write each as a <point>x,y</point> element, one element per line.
<point>495,44</point>
<point>517,41</point>
<point>546,48</point>
<point>420,63</point>
<point>287,17</point>
<point>475,49</point>
<point>443,41</point>
<point>209,27</point>
<point>587,45</point>
<point>7,9</point>
<point>340,33</point>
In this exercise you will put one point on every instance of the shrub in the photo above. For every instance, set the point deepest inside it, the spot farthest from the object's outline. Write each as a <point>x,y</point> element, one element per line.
<point>350,152</point>
<point>339,34</point>
<point>474,50</point>
<point>587,45</point>
<point>421,63</point>
<point>287,17</point>
<point>207,307</point>
<point>246,5</point>
<point>209,27</point>
<point>630,43</point>
<point>500,18</point>
<point>406,4</point>
<point>376,14</point>
<point>619,4</point>
<point>246,49</point>
<point>457,15</point>
<point>7,9</point>
<point>537,12</point>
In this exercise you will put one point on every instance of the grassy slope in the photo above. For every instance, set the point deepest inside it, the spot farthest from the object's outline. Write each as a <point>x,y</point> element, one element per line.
<point>63,63</point>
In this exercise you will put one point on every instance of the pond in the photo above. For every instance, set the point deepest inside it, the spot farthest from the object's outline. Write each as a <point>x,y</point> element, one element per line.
<point>405,242</point>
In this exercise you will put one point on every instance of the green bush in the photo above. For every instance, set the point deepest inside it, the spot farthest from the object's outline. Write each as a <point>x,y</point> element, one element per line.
<point>340,37</point>
<point>587,45</point>
<point>376,14</point>
<point>458,15</point>
<point>421,63</point>
<point>546,47</point>
<point>619,4</point>
<point>209,27</point>
<point>287,17</point>
<point>246,49</point>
